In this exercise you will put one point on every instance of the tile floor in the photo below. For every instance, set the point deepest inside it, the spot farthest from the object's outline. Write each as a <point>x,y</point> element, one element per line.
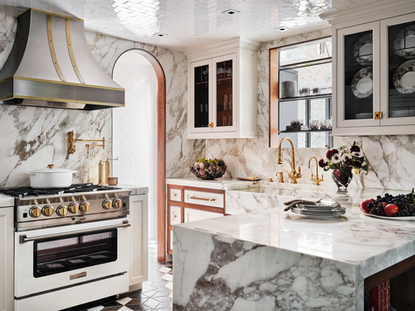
<point>156,294</point>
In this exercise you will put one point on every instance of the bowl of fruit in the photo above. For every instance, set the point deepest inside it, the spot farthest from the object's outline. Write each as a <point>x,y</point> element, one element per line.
<point>399,207</point>
<point>208,169</point>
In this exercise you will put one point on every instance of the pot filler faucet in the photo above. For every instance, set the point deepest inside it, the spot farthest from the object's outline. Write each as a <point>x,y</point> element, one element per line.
<point>293,175</point>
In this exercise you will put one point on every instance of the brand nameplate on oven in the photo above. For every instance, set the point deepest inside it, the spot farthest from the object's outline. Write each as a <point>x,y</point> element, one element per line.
<point>77,276</point>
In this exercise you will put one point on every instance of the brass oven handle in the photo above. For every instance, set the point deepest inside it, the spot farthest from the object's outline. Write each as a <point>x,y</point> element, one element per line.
<point>203,199</point>
<point>24,238</point>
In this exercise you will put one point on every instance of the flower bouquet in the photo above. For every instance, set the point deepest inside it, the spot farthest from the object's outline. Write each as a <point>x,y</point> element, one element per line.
<point>345,162</point>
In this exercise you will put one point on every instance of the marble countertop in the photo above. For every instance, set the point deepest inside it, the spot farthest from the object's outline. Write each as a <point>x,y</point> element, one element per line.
<point>6,201</point>
<point>136,189</point>
<point>355,239</point>
<point>222,183</point>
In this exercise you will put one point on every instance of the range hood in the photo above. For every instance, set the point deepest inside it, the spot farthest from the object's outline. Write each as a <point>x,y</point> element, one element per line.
<point>51,65</point>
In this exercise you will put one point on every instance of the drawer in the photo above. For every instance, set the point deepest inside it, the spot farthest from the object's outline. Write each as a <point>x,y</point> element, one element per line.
<point>204,198</point>
<point>175,195</point>
<point>175,215</point>
<point>191,214</point>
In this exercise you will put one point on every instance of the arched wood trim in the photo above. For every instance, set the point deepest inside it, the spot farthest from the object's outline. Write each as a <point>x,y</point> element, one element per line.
<point>161,150</point>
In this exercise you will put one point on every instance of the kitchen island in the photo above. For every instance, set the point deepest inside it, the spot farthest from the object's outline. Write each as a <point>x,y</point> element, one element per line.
<point>276,260</point>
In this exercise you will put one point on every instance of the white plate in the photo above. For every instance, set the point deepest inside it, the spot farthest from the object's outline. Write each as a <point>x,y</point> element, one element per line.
<point>362,83</point>
<point>363,50</point>
<point>387,217</point>
<point>404,77</point>
<point>407,37</point>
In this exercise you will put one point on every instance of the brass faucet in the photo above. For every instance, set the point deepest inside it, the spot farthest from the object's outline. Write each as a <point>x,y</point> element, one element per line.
<point>315,180</point>
<point>293,175</point>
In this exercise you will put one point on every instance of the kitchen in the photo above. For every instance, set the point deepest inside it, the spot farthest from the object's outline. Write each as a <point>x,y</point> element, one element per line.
<point>37,137</point>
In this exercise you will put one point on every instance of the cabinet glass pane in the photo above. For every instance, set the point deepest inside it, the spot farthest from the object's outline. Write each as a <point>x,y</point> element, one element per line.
<point>358,76</point>
<point>201,100</point>
<point>224,100</point>
<point>401,70</point>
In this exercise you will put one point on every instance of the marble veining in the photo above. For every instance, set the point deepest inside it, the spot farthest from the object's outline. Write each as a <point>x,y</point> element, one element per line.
<point>388,156</point>
<point>34,137</point>
<point>301,263</point>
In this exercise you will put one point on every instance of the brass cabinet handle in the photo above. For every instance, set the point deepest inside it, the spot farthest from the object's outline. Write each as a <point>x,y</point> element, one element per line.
<point>174,216</point>
<point>174,194</point>
<point>378,115</point>
<point>203,199</point>
<point>210,125</point>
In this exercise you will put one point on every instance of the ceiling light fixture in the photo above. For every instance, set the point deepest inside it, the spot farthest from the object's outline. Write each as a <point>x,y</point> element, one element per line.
<point>282,28</point>
<point>161,35</point>
<point>231,12</point>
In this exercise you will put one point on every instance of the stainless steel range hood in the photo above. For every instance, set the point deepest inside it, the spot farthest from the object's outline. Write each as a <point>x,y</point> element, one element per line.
<point>51,65</point>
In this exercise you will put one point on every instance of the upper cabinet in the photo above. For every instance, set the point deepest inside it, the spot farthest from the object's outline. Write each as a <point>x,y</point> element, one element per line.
<point>374,70</point>
<point>222,91</point>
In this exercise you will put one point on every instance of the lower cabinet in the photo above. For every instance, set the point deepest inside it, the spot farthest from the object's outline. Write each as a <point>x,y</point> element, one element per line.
<point>185,204</point>
<point>6,258</point>
<point>138,240</point>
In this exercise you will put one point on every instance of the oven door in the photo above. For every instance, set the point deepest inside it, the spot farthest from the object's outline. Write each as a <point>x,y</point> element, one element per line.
<point>61,257</point>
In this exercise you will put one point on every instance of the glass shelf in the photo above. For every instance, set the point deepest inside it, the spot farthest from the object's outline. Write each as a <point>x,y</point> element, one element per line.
<point>305,131</point>
<point>290,99</point>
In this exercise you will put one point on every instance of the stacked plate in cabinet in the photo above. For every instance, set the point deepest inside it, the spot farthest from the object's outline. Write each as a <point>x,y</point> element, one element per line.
<point>320,210</point>
<point>362,82</point>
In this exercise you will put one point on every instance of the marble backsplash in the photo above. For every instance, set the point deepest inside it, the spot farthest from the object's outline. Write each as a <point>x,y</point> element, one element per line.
<point>31,137</point>
<point>389,157</point>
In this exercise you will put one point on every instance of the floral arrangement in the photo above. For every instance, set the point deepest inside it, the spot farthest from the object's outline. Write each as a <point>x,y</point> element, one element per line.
<point>345,159</point>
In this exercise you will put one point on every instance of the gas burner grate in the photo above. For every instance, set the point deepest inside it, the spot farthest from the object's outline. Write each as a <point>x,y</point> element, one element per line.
<point>22,192</point>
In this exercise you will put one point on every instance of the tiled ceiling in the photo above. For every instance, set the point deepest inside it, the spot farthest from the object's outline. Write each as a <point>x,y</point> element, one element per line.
<point>187,23</point>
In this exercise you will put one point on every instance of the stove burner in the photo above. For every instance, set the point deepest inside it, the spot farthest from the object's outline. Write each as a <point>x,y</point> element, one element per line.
<point>22,192</point>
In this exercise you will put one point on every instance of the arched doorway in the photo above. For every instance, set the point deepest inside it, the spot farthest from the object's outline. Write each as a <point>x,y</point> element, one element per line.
<point>160,147</point>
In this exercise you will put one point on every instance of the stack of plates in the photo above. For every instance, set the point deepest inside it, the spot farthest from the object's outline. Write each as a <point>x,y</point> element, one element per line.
<point>319,210</point>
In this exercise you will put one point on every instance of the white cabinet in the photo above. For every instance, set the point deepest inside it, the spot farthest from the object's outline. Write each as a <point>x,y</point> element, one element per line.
<point>374,69</point>
<point>191,214</point>
<point>139,240</point>
<point>6,259</point>
<point>222,91</point>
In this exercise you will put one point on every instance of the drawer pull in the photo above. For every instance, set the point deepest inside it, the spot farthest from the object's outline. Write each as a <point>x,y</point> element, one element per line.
<point>174,216</point>
<point>174,195</point>
<point>202,199</point>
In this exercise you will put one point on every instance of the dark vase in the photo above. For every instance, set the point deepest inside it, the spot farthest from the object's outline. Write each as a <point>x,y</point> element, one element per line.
<point>342,178</point>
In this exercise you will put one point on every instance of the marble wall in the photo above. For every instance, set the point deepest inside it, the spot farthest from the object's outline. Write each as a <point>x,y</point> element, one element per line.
<point>31,137</point>
<point>388,156</point>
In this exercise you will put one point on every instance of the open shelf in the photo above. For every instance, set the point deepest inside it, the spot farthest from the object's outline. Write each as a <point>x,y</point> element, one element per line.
<point>305,131</point>
<point>317,96</point>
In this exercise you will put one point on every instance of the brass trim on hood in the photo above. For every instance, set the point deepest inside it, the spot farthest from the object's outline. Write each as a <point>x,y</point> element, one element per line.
<point>67,100</point>
<point>65,83</point>
<point>52,47</point>
<point>70,50</point>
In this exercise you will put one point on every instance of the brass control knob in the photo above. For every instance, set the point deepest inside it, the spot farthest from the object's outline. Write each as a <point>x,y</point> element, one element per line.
<point>106,204</point>
<point>47,210</point>
<point>84,206</point>
<point>117,203</point>
<point>35,212</point>
<point>61,210</point>
<point>73,207</point>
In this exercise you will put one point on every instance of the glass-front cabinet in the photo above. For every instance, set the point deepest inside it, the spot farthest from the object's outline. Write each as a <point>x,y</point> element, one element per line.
<point>222,100</point>
<point>213,95</point>
<point>376,77</point>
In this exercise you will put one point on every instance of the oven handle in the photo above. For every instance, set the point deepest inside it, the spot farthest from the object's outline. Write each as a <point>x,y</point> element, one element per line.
<point>24,238</point>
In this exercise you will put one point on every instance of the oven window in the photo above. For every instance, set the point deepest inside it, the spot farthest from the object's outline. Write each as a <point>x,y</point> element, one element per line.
<point>61,254</point>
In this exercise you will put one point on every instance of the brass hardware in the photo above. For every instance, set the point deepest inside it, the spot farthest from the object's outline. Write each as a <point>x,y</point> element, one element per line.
<point>281,177</point>
<point>61,210</point>
<point>378,115</point>
<point>84,206</point>
<point>51,166</point>
<point>72,141</point>
<point>116,203</point>
<point>47,210</point>
<point>70,50</point>
<point>73,207</point>
<point>293,175</point>
<point>174,216</point>
<point>203,199</point>
<point>100,172</point>
<point>316,180</point>
<point>77,275</point>
<point>73,18</point>
<point>106,204</point>
<point>210,125</point>
<point>52,48</point>
<point>174,194</point>
<point>35,212</point>
<point>270,180</point>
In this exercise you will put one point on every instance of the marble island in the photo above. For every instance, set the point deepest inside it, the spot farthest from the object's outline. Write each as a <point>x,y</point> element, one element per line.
<point>269,259</point>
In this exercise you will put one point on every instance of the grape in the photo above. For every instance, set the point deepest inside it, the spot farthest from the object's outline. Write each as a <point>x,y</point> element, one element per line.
<point>405,203</point>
